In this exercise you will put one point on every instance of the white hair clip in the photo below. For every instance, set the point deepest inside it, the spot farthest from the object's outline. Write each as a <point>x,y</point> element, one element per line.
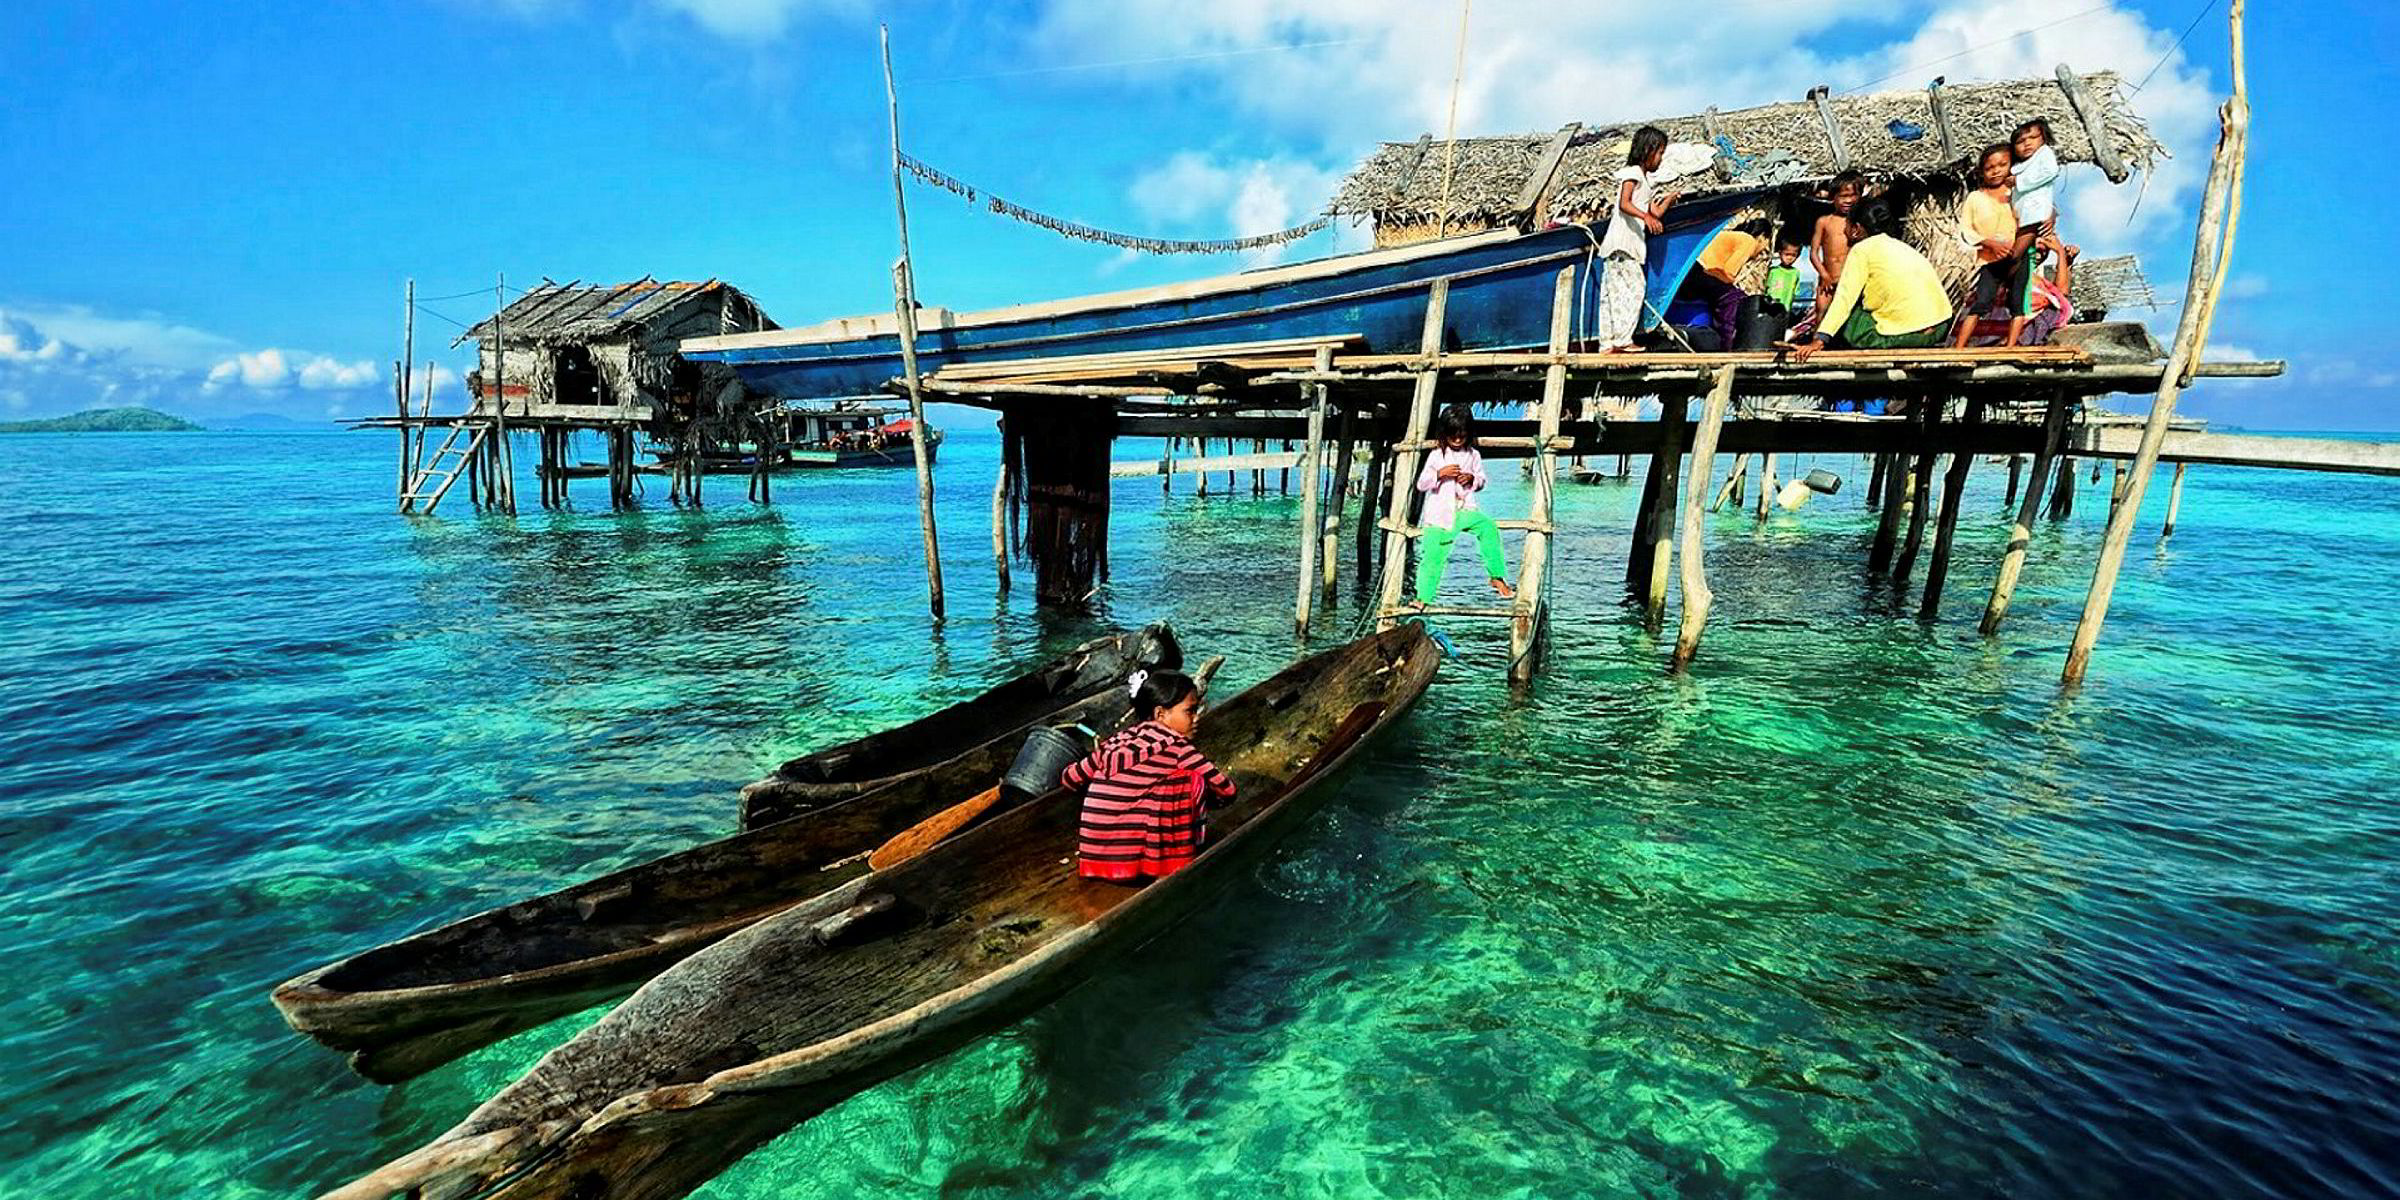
<point>1134,682</point>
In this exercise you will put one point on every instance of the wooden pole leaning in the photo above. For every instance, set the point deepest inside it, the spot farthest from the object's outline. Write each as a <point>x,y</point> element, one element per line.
<point>1954,488</point>
<point>504,462</point>
<point>1696,594</point>
<point>2062,494</point>
<point>1525,629</point>
<point>2212,248</point>
<point>1920,492</point>
<point>1402,474</point>
<point>1312,528</point>
<point>904,289</point>
<point>408,360</point>
<point>2029,505</point>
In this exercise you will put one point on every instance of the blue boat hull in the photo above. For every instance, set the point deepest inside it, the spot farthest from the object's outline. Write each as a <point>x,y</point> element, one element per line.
<point>1499,299</point>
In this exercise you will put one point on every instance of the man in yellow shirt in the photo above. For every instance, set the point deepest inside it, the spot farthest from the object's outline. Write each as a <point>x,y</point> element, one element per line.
<point>1712,278</point>
<point>1889,297</point>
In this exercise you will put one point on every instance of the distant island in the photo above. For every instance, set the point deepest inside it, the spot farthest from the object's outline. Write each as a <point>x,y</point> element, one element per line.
<point>105,420</point>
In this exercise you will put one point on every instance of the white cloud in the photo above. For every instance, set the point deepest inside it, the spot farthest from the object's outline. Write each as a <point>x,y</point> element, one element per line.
<point>1212,197</point>
<point>61,358</point>
<point>733,20</point>
<point>1364,71</point>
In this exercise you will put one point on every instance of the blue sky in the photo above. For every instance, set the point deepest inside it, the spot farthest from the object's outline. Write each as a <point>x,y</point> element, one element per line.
<point>214,213</point>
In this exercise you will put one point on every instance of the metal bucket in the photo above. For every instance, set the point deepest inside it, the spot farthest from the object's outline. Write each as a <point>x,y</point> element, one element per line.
<point>1822,481</point>
<point>1047,751</point>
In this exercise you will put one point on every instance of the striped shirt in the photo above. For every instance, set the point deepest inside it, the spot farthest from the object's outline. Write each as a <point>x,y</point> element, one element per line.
<point>1145,804</point>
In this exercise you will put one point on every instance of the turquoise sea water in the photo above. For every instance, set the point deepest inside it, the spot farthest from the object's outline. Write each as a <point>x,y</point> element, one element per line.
<point>1860,907</point>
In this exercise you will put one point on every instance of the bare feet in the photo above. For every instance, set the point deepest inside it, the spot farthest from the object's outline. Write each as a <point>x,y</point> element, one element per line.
<point>1501,589</point>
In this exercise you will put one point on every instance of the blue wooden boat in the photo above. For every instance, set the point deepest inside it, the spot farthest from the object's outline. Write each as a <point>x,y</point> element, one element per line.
<point>1500,285</point>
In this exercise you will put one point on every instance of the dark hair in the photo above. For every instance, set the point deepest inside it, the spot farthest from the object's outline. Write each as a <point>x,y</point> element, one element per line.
<point>2036,123</point>
<point>1985,156</point>
<point>1876,216</point>
<point>1161,689</point>
<point>1847,179</point>
<point>1757,227</point>
<point>1647,140</point>
<point>1455,420</point>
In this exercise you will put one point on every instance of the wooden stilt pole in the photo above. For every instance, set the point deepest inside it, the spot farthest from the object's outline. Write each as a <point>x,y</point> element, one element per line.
<point>1639,551</point>
<point>1525,630</point>
<point>1920,494</point>
<point>2212,249</point>
<point>1696,594</point>
<point>2020,535</point>
<point>2174,502</point>
<point>1312,526</point>
<point>904,285</point>
<point>2062,496</point>
<point>1766,485</point>
<point>1881,463</point>
<point>1337,497</point>
<point>504,465</point>
<point>1953,489</point>
<point>2016,471</point>
<point>1887,523</point>
<point>408,359</point>
<point>1394,570</point>
<point>1733,484</point>
<point>1675,417</point>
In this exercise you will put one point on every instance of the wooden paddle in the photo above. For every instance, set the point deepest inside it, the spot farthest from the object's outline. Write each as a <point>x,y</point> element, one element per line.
<point>925,834</point>
<point>920,837</point>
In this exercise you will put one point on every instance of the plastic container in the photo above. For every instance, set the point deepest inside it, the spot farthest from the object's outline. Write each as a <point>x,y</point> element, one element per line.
<point>1822,480</point>
<point>1047,752</point>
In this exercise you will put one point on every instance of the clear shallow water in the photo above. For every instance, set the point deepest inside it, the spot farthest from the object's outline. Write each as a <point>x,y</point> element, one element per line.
<point>1861,907</point>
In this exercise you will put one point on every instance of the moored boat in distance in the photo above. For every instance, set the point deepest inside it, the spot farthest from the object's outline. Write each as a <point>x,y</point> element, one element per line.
<point>798,1012</point>
<point>406,1007</point>
<point>1500,292</point>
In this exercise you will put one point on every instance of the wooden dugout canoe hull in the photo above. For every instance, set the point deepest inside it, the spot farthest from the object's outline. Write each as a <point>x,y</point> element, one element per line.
<point>406,1007</point>
<point>778,1023</point>
<point>1500,294</point>
<point>985,731</point>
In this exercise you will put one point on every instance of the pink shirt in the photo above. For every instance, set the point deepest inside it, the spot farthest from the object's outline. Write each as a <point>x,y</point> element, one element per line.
<point>1444,498</point>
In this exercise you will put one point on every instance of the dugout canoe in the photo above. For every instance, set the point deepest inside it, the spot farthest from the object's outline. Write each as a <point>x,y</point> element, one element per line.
<point>988,729</point>
<point>408,1006</point>
<point>798,1012</point>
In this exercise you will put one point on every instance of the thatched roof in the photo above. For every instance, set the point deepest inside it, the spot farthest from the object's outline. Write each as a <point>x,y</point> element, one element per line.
<point>578,312</point>
<point>1402,182</point>
<point>2115,284</point>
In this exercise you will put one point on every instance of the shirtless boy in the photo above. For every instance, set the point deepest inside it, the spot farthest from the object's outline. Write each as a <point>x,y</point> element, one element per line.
<point>1829,244</point>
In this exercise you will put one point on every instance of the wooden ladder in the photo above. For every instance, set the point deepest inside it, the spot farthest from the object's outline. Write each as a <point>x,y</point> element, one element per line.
<point>1529,612</point>
<point>433,479</point>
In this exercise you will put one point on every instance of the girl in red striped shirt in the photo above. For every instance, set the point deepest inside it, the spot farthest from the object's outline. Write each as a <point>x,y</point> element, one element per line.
<point>1146,790</point>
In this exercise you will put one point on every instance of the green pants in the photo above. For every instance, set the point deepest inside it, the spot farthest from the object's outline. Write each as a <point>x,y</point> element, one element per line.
<point>1435,554</point>
<point>1859,333</point>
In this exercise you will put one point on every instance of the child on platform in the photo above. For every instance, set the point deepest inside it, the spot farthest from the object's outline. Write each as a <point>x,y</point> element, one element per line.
<point>1146,790</point>
<point>1452,475</point>
<point>1829,242</point>
<point>1625,248</point>
<point>1990,223</point>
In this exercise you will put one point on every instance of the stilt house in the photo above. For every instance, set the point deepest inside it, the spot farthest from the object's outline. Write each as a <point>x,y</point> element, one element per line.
<point>608,351</point>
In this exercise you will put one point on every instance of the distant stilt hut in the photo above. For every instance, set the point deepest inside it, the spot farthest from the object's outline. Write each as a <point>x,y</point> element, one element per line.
<point>576,351</point>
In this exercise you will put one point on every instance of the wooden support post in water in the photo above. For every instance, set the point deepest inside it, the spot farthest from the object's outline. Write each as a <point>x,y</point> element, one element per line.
<point>1338,492</point>
<point>1920,491</point>
<point>2020,535</point>
<point>2016,472</point>
<point>2116,490</point>
<point>1887,523</point>
<point>1675,415</point>
<point>408,359</point>
<point>904,286</point>
<point>1000,515</point>
<point>1766,484</point>
<point>2212,249</point>
<point>1733,484</point>
<point>1953,489</point>
<point>1394,570</point>
<point>1696,594</point>
<point>1875,473</point>
<point>2174,503</point>
<point>504,459</point>
<point>1525,629</point>
<point>2062,495</point>
<point>1312,528</point>
<point>1378,465</point>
